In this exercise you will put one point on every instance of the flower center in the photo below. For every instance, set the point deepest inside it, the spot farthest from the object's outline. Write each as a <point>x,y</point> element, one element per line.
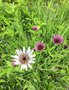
<point>57,40</point>
<point>40,47</point>
<point>24,58</point>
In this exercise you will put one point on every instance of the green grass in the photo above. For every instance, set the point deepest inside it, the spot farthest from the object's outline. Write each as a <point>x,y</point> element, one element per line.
<point>51,68</point>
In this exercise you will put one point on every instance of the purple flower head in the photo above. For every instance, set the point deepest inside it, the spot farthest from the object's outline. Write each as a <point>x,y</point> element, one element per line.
<point>35,28</point>
<point>57,39</point>
<point>39,46</point>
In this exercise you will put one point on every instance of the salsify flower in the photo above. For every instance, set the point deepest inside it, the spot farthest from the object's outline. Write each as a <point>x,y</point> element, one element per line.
<point>57,39</point>
<point>24,58</point>
<point>35,28</point>
<point>39,46</point>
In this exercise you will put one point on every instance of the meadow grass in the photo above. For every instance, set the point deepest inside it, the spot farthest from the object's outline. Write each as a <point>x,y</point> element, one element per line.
<point>51,68</point>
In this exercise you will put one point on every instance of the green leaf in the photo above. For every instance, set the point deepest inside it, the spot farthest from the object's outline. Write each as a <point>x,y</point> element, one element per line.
<point>1,80</point>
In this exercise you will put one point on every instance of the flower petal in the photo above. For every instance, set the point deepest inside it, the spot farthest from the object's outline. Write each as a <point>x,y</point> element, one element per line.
<point>32,55</point>
<point>18,52</point>
<point>31,52</point>
<point>23,49</point>
<point>29,66</point>
<point>24,67</point>
<point>28,51</point>
<point>15,56</point>
<point>16,63</point>
<point>31,61</point>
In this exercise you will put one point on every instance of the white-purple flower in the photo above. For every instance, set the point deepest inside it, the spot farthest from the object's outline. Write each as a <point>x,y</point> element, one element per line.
<point>24,58</point>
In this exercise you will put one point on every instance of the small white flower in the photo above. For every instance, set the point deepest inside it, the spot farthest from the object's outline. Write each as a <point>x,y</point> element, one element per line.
<point>24,58</point>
